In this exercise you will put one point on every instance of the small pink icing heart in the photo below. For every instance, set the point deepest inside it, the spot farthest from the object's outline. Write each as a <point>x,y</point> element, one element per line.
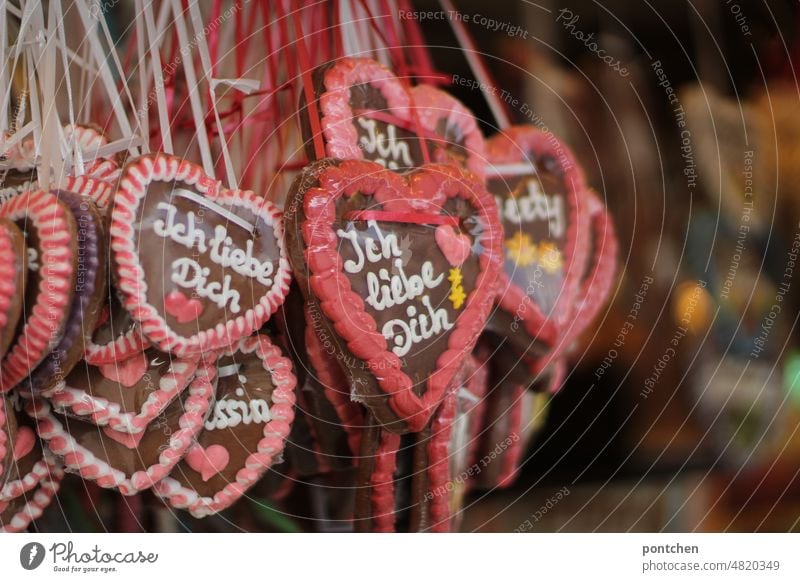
<point>130,441</point>
<point>127,372</point>
<point>182,308</point>
<point>455,246</point>
<point>23,442</point>
<point>208,462</point>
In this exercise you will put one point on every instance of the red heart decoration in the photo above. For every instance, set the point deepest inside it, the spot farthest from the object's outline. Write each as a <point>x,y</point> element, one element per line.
<point>181,307</point>
<point>455,246</point>
<point>24,441</point>
<point>127,372</point>
<point>407,301</point>
<point>208,462</point>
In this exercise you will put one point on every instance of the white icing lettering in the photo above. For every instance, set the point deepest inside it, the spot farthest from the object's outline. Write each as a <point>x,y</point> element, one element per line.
<point>387,147</point>
<point>184,234</point>
<point>222,251</point>
<point>535,205</point>
<point>386,247</point>
<point>384,291</point>
<point>189,274</point>
<point>230,412</point>
<point>419,327</point>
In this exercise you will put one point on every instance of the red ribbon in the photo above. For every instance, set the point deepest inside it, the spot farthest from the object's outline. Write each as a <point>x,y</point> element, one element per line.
<point>408,125</point>
<point>405,217</point>
<point>308,85</point>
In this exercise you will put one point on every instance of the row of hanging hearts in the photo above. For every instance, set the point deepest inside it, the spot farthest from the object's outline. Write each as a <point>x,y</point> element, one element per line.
<point>134,304</point>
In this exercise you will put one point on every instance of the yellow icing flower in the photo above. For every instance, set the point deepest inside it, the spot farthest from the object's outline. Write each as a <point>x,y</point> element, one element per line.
<point>550,257</point>
<point>457,295</point>
<point>521,250</point>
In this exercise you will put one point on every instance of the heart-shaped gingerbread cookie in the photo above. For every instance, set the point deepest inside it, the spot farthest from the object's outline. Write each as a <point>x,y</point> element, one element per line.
<point>538,187</point>
<point>51,236</point>
<point>245,433</point>
<point>88,297</point>
<point>125,395</point>
<point>362,242</point>
<point>129,463</point>
<point>365,113</point>
<point>198,266</point>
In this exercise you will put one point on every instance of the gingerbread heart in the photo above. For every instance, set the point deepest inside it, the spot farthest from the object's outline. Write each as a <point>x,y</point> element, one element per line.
<point>13,254</point>
<point>365,113</point>
<point>135,464</point>
<point>538,187</point>
<point>17,513</point>
<point>450,128</point>
<point>174,229</point>
<point>244,435</point>
<point>125,395</point>
<point>362,243</point>
<point>51,236</point>
<point>88,296</point>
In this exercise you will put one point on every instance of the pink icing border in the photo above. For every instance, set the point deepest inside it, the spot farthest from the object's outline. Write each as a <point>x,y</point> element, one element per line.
<point>510,460</point>
<point>438,464</point>
<point>33,508</point>
<point>81,460</point>
<point>433,105</point>
<point>423,189</point>
<point>98,191</point>
<point>597,284</point>
<point>102,412</point>
<point>594,289</point>
<point>55,286</point>
<point>381,483</point>
<point>123,347</point>
<point>131,284</point>
<point>341,135</point>
<point>18,487</point>
<point>8,276</point>
<point>8,279</point>
<point>335,387</point>
<point>509,147</point>
<point>269,447</point>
